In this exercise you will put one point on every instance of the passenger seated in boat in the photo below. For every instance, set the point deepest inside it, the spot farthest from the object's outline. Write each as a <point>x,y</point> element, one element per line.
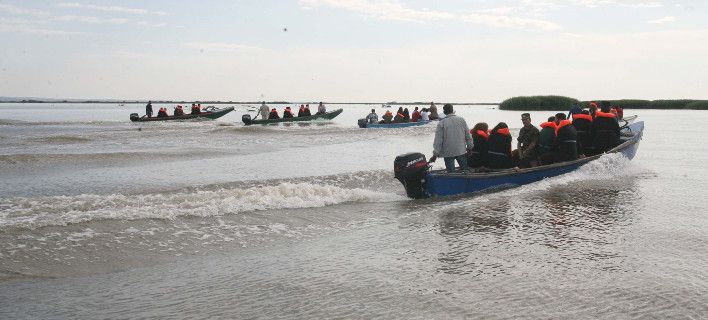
<point>321,109</point>
<point>617,110</point>
<point>179,111</point>
<point>583,124</point>
<point>416,115</point>
<point>406,115</point>
<point>162,113</point>
<point>195,109</point>
<point>546,141</point>
<point>499,147</point>
<point>301,111</point>
<point>566,139</point>
<point>525,155</point>
<point>425,114</point>
<point>477,157</point>
<point>307,113</point>
<point>387,117</point>
<point>593,109</point>
<point>288,113</point>
<point>273,114</point>
<point>372,117</point>
<point>605,130</point>
<point>399,116</point>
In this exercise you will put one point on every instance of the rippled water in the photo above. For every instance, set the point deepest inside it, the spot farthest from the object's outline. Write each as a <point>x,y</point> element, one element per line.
<point>103,218</point>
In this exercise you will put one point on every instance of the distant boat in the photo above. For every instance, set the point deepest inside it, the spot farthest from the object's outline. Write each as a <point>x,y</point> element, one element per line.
<point>251,108</point>
<point>246,118</point>
<point>364,124</point>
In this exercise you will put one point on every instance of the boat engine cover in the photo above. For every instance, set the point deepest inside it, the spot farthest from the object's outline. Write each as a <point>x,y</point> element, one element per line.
<point>410,169</point>
<point>134,116</point>
<point>246,118</point>
<point>362,123</point>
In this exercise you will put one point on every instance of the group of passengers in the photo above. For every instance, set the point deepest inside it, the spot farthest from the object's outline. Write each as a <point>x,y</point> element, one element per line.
<point>178,110</point>
<point>403,115</point>
<point>583,133</point>
<point>304,111</point>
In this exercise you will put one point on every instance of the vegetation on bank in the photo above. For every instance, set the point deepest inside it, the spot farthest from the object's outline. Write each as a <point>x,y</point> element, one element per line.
<point>555,103</point>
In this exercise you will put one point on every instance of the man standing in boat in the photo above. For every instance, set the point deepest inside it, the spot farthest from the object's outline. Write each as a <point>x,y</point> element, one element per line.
<point>148,109</point>
<point>264,112</point>
<point>321,109</point>
<point>452,140</point>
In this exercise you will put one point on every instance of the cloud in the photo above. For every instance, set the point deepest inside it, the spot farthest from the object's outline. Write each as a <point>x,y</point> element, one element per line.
<point>108,8</point>
<point>622,3</point>
<point>662,20</point>
<point>15,10</point>
<point>91,20</point>
<point>395,10</point>
<point>26,26</point>
<point>222,46</point>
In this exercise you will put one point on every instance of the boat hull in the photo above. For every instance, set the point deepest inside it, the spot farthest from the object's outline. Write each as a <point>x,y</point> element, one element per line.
<point>203,115</point>
<point>395,125</point>
<point>439,183</point>
<point>326,116</point>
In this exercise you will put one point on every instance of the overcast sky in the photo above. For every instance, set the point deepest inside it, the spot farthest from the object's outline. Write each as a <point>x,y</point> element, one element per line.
<point>354,50</point>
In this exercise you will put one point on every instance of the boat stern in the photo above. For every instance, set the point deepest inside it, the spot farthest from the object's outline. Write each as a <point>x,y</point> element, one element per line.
<point>410,169</point>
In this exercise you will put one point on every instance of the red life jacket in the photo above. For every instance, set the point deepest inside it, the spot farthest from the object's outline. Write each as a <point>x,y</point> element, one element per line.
<point>562,124</point>
<point>504,131</point>
<point>483,134</point>
<point>582,116</point>
<point>548,124</point>
<point>605,115</point>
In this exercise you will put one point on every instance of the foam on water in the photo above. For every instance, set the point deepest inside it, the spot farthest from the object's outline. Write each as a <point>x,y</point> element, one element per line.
<point>22,212</point>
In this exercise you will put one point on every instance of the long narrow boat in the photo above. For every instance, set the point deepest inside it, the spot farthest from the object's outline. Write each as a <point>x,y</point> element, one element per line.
<point>207,113</point>
<point>364,124</point>
<point>246,118</point>
<point>420,182</point>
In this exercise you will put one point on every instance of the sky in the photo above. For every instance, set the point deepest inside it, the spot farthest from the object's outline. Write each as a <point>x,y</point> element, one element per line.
<point>354,50</point>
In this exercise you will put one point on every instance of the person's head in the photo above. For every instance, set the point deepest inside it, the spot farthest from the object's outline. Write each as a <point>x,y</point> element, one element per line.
<point>500,125</point>
<point>560,117</point>
<point>400,109</point>
<point>373,110</point>
<point>320,102</point>
<point>307,105</point>
<point>149,101</point>
<point>551,119</point>
<point>605,106</point>
<point>526,119</point>
<point>447,109</point>
<point>431,103</point>
<point>480,126</point>
<point>416,108</point>
<point>194,104</point>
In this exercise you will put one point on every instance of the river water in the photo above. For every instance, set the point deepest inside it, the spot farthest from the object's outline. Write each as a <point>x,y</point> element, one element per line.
<point>104,218</point>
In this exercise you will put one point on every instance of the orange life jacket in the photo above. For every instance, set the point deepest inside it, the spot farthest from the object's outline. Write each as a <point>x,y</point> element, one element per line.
<point>582,116</point>
<point>562,124</point>
<point>605,115</point>
<point>483,133</point>
<point>504,131</point>
<point>548,124</point>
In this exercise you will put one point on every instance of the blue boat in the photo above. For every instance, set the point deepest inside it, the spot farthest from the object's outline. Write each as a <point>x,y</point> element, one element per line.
<point>420,182</point>
<point>391,125</point>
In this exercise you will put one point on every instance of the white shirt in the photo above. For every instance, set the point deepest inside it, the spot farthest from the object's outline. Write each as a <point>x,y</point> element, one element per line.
<point>425,116</point>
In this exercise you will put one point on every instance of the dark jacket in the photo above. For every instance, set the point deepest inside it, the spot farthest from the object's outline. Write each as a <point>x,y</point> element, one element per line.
<point>547,137</point>
<point>478,156</point>
<point>499,149</point>
<point>605,132</point>
<point>583,125</point>
<point>273,115</point>
<point>566,141</point>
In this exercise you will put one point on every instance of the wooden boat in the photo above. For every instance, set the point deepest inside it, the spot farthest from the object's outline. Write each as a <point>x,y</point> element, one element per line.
<point>206,113</point>
<point>420,182</point>
<point>246,118</point>
<point>364,124</point>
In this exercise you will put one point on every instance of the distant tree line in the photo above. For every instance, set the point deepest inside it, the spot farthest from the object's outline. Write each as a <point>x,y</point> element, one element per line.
<point>555,103</point>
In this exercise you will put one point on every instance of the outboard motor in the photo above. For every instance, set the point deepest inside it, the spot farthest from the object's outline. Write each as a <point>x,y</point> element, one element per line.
<point>134,117</point>
<point>362,123</point>
<point>410,169</point>
<point>246,118</point>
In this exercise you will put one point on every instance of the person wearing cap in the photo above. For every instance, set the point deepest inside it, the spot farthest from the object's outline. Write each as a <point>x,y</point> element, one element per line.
<point>525,155</point>
<point>148,109</point>
<point>575,109</point>
<point>452,140</point>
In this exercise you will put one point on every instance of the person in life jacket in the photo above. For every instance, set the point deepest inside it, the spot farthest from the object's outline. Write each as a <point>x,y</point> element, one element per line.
<point>416,115</point>
<point>399,116</point>
<point>301,111</point>
<point>288,113</point>
<point>593,109</point>
<point>525,155</point>
<point>162,113</point>
<point>273,114</point>
<point>406,115</point>
<point>307,112</point>
<point>583,124</point>
<point>387,117</point>
<point>499,147</point>
<point>566,139</point>
<point>179,111</point>
<point>195,109</point>
<point>605,130</point>
<point>477,157</point>
<point>618,111</point>
<point>546,141</point>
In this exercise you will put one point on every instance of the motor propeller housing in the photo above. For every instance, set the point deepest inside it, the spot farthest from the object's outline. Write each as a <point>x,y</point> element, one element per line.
<point>410,169</point>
